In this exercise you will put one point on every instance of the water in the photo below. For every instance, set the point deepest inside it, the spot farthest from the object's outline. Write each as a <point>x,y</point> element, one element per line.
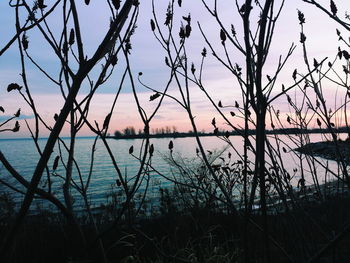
<point>22,154</point>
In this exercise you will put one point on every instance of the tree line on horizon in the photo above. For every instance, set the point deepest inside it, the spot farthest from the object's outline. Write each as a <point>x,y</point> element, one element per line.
<point>131,131</point>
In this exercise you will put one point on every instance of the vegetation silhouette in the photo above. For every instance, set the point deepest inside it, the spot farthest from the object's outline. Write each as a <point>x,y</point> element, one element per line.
<point>227,205</point>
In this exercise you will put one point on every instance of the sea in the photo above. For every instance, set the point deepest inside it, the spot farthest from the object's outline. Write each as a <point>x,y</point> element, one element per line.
<point>93,161</point>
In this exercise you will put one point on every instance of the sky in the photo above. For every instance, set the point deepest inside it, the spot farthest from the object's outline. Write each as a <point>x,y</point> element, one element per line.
<point>147,57</point>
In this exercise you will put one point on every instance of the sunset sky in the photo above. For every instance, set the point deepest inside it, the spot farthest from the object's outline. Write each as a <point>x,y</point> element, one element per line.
<point>148,57</point>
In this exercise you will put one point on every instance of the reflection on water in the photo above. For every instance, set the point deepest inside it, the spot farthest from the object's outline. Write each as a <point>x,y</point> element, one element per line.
<point>22,154</point>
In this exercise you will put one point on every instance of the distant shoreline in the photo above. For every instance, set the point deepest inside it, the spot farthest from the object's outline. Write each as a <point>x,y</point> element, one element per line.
<point>328,150</point>
<point>291,131</point>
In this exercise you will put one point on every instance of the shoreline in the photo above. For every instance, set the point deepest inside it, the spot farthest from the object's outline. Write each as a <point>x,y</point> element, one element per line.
<point>288,131</point>
<point>328,150</point>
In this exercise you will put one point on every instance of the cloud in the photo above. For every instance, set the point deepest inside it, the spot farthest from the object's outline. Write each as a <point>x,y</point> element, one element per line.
<point>159,117</point>
<point>21,117</point>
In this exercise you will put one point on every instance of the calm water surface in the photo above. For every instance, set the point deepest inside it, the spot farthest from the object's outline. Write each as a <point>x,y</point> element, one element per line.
<point>22,154</point>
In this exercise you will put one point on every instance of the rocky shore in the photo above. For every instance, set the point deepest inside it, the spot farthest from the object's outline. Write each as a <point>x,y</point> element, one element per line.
<point>330,150</point>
